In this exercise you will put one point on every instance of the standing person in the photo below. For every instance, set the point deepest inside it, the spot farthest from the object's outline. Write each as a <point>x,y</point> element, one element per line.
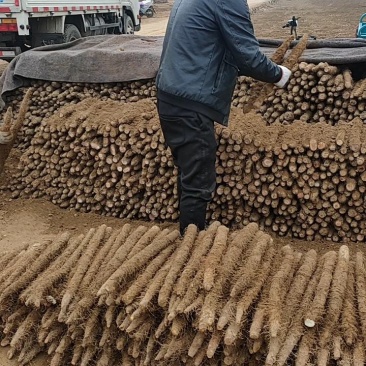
<point>292,23</point>
<point>294,26</point>
<point>208,43</point>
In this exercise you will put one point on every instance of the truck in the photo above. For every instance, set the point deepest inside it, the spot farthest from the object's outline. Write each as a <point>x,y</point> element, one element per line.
<point>26,24</point>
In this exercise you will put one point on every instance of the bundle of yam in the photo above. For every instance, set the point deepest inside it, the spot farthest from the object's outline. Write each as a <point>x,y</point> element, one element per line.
<point>316,93</point>
<point>142,295</point>
<point>303,180</point>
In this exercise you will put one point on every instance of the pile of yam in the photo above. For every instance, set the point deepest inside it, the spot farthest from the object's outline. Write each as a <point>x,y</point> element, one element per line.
<point>49,97</point>
<point>303,180</point>
<point>315,93</point>
<point>98,148</point>
<point>142,295</point>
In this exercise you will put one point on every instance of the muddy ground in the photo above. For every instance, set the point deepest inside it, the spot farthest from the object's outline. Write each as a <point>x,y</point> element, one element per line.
<point>35,220</point>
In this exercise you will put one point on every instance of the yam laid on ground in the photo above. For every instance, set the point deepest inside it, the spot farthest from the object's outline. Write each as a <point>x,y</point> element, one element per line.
<point>72,318</point>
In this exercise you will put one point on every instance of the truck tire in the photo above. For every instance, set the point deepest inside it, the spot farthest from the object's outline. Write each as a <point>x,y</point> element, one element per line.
<point>71,33</point>
<point>129,27</point>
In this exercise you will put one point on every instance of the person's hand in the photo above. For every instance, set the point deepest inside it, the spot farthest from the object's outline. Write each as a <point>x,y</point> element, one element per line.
<point>285,77</point>
<point>5,137</point>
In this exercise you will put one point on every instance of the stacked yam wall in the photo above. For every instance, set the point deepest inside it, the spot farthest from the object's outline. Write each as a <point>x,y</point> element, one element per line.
<point>316,93</point>
<point>302,180</point>
<point>143,296</point>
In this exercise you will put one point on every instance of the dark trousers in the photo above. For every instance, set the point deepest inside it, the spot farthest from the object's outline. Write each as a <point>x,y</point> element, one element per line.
<point>191,139</point>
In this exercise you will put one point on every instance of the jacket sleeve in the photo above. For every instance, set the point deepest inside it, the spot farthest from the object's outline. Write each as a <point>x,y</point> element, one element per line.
<point>237,30</point>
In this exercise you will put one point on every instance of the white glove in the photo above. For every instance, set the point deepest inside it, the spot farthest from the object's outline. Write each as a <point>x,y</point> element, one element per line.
<point>286,74</point>
<point>5,137</point>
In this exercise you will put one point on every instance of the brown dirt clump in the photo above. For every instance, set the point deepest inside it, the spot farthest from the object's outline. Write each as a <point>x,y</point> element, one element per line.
<point>98,115</point>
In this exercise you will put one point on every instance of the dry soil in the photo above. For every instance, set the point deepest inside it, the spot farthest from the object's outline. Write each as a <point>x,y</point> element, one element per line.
<point>156,26</point>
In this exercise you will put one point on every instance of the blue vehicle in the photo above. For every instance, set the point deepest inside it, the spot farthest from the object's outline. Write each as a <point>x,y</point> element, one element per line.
<point>361,29</point>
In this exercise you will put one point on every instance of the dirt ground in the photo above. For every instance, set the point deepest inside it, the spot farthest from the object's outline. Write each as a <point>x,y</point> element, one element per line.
<point>322,19</point>
<point>36,220</point>
<point>156,26</point>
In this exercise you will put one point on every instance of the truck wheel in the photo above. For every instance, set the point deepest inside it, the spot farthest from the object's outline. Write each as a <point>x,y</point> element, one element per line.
<point>71,33</point>
<point>129,28</point>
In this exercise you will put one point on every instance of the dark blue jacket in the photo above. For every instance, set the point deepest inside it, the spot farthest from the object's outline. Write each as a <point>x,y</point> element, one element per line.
<point>207,44</point>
